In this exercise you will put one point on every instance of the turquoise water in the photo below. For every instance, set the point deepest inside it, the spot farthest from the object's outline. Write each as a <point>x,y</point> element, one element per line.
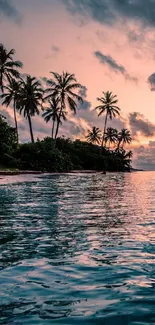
<point>77,249</point>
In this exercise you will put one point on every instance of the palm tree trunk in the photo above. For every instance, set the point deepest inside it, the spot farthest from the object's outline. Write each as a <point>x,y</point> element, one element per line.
<point>1,84</point>
<point>52,135</point>
<point>58,122</point>
<point>56,133</point>
<point>52,130</point>
<point>105,125</point>
<point>118,146</point>
<point>15,118</point>
<point>30,126</point>
<point>57,128</point>
<point>123,144</point>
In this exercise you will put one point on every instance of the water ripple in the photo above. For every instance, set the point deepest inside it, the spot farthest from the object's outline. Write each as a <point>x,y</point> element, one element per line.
<point>77,248</point>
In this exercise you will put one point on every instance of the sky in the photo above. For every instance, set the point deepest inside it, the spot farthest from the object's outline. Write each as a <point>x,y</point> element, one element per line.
<point>107,44</point>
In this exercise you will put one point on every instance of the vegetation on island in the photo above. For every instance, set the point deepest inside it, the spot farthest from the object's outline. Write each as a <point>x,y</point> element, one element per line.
<point>102,150</point>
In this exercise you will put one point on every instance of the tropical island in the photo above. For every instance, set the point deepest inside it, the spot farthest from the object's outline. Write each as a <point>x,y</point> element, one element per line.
<point>102,150</point>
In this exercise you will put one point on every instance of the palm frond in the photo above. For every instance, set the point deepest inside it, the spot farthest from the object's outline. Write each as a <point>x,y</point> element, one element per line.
<point>72,104</point>
<point>76,96</point>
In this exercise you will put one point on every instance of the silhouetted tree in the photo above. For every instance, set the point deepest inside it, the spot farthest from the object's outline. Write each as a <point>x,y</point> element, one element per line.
<point>108,107</point>
<point>124,137</point>
<point>62,87</point>
<point>11,94</point>
<point>8,67</point>
<point>53,113</point>
<point>129,154</point>
<point>111,136</point>
<point>30,99</point>
<point>94,135</point>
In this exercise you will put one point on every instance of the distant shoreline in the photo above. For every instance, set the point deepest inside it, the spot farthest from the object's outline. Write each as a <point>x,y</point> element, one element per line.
<point>34,172</point>
<point>137,170</point>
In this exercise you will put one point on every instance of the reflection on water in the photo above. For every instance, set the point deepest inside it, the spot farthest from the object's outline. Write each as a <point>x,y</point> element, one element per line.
<point>78,248</point>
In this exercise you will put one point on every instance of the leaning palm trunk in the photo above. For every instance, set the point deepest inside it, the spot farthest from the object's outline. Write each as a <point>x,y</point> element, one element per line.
<point>30,126</point>
<point>15,119</point>
<point>56,133</point>
<point>105,125</point>
<point>57,129</point>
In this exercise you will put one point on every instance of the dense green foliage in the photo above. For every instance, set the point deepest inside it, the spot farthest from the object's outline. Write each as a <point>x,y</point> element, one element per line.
<point>67,155</point>
<point>8,143</point>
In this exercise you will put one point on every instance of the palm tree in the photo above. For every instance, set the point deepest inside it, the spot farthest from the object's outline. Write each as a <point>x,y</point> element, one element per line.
<point>124,137</point>
<point>8,67</point>
<point>11,95</point>
<point>111,135</point>
<point>124,157</point>
<point>129,154</point>
<point>62,87</point>
<point>108,106</point>
<point>94,135</point>
<point>52,113</point>
<point>30,99</point>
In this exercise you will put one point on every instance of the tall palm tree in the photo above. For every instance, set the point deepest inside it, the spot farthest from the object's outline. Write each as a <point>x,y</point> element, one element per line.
<point>111,135</point>
<point>62,87</point>
<point>94,135</point>
<point>30,99</point>
<point>52,113</point>
<point>8,67</point>
<point>11,94</point>
<point>108,106</point>
<point>124,137</point>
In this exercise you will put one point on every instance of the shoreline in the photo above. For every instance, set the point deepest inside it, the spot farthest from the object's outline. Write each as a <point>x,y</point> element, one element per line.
<point>32,172</point>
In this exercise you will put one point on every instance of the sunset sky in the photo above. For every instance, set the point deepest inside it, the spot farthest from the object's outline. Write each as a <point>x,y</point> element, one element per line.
<point>108,44</point>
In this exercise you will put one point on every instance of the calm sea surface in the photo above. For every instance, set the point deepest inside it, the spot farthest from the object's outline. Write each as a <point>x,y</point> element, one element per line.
<point>77,249</point>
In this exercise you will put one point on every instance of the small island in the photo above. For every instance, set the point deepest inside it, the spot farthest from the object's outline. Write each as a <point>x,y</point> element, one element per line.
<point>56,99</point>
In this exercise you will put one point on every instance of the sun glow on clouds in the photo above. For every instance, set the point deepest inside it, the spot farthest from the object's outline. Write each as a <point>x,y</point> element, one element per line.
<point>53,36</point>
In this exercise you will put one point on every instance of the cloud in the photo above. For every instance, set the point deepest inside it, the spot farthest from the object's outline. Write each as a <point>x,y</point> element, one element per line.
<point>9,10</point>
<point>86,105</point>
<point>97,9</point>
<point>109,11</point>
<point>144,156</point>
<point>8,116</point>
<point>113,65</point>
<point>108,60</point>
<point>55,48</point>
<point>136,36</point>
<point>89,118</point>
<point>152,144</point>
<point>140,125</point>
<point>151,81</point>
<point>83,91</point>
